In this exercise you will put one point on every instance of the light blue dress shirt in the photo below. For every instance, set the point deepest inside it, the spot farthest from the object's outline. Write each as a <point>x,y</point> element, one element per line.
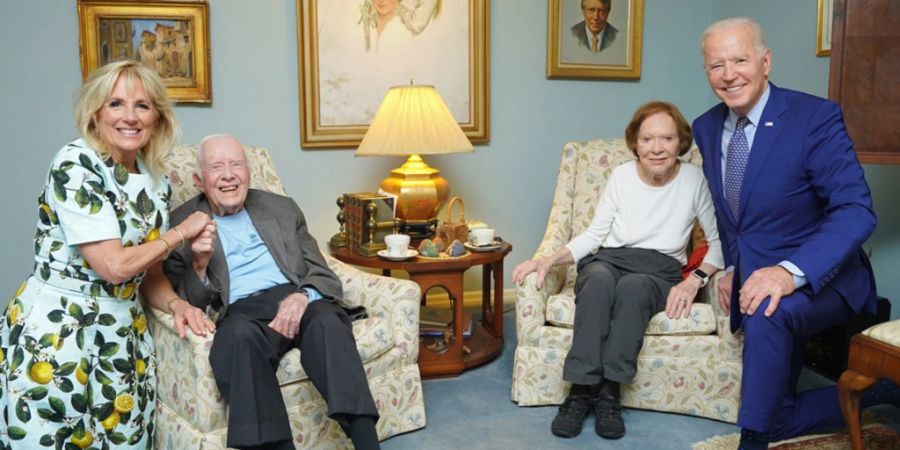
<point>251,267</point>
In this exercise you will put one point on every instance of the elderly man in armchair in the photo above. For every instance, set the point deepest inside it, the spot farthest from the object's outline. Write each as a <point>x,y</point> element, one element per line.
<point>262,270</point>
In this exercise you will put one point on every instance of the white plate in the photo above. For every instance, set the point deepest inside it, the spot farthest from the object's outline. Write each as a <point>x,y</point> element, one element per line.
<point>484,248</point>
<point>409,254</point>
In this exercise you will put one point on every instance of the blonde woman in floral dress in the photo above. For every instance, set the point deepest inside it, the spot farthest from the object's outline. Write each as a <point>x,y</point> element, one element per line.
<point>77,364</point>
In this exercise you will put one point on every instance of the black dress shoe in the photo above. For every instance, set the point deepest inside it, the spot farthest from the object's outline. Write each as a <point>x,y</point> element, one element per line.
<point>608,417</point>
<point>571,415</point>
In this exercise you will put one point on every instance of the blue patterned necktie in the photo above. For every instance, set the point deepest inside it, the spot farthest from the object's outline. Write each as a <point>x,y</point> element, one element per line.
<point>735,164</point>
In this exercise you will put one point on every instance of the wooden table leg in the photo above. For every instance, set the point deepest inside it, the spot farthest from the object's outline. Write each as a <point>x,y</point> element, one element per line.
<point>492,308</point>
<point>850,388</point>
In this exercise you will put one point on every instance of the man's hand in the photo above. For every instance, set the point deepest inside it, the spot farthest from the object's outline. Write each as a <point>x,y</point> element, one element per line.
<point>197,320</point>
<point>202,248</point>
<point>290,310</point>
<point>725,292</point>
<point>775,282</point>
<point>681,297</point>
<point>541,266</point>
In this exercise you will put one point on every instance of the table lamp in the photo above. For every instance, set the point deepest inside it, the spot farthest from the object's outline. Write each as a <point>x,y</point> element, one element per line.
<point>411,121</point>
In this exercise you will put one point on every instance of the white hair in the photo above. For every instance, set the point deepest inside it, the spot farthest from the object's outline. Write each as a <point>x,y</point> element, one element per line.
<point>202,144</point>
<point>756,31</point>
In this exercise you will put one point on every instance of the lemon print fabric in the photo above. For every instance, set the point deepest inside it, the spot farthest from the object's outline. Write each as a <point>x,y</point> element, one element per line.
<point>77,367</point>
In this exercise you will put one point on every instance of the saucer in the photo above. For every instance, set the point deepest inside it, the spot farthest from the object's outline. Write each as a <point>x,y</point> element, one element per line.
<point>484,248</point>
<point>408,254</point>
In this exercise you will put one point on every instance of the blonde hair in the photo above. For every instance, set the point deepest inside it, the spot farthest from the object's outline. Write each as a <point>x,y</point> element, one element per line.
<point>97,88</point>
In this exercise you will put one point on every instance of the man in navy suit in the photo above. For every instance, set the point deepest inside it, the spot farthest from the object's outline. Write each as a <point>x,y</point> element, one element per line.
<point>793,211</point>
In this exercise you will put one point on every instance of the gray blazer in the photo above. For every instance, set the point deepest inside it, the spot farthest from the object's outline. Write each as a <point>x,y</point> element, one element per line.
<point>281,225</point>
<point>580,33</point>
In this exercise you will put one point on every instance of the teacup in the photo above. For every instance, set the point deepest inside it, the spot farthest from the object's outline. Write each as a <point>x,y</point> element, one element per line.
<point>396,244</point>
<point>482,236</point>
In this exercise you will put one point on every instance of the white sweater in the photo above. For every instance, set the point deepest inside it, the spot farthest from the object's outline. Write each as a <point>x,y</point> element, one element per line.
<point>633,214</point>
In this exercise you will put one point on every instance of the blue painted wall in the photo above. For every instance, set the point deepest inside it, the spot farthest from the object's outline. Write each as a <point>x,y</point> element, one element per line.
<point>507,183</point>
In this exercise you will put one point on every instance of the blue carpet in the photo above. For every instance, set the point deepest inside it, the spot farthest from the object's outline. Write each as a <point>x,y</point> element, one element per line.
<point>473,411</point>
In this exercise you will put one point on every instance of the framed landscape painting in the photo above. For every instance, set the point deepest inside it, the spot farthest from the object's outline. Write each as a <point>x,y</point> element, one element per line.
<point>171,37</point>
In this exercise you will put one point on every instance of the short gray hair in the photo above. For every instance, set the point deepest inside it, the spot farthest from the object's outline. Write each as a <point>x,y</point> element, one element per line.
<point>200,146</point>
<point>756,31</point>
<point>604,2</point>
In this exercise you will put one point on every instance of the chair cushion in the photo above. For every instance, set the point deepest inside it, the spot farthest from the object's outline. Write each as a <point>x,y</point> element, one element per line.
<point>887,332</point>
<point>702,320</point>
<point>373,337</point>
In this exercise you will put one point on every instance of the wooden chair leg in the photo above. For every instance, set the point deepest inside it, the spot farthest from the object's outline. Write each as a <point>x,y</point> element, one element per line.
<point>850,388</point>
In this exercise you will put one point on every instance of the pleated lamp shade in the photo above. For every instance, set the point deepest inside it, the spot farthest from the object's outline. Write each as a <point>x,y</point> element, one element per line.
<point>413,120</point>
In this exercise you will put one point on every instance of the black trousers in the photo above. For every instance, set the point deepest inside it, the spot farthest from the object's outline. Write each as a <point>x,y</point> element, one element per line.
<point>245,354</point>
<point>617,291</point>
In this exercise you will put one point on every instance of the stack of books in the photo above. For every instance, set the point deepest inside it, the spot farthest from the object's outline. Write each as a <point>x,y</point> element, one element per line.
<point>439,321</point>
<point>369,217</point>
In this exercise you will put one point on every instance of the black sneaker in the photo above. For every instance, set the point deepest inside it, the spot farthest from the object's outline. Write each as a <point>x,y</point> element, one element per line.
<point>608,421</point>
<point>571,415</point>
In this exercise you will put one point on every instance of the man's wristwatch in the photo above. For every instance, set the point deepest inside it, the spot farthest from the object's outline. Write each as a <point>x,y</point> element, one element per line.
<point>704,278</point>
<point>303,291</point>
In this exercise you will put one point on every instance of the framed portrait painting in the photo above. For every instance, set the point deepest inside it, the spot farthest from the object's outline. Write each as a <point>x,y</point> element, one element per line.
<point>823,27</point>
<point>352,51</point>
<point>171,37</point>
<point>595,39</point>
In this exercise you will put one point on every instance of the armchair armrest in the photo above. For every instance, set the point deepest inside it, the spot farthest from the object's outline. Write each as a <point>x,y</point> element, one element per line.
<point>396,300</point>
<point>184,376</point>
<point>531,303</point>
<point>710,294</point>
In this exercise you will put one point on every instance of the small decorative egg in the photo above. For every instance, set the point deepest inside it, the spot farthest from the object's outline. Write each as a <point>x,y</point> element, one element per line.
<point>429,249</point>
<point>456,248</point>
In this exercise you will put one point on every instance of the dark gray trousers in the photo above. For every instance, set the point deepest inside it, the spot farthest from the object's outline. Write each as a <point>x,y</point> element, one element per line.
<point>245,354</point>
<point>617,291</point>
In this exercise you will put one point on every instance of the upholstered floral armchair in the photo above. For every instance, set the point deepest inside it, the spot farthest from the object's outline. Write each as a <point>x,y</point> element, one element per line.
<point>190,411</point>
<point>689,365</point>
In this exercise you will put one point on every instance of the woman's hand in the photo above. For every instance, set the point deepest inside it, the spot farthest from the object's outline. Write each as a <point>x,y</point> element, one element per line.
<point>193,317</point>
<point>681,297</point>
<point>194,224</point>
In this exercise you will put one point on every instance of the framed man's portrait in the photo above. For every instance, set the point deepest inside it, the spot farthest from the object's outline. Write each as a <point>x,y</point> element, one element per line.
<point>595,39</point>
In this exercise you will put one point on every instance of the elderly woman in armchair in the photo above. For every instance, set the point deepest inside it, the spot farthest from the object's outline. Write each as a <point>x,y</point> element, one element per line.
<point>630,265</point>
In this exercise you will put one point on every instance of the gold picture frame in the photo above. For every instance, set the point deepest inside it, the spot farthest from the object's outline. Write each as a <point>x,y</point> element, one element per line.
<point>823,27</point>
<point>173,38</point>
<point>348,59</point>
<point>614,56</point>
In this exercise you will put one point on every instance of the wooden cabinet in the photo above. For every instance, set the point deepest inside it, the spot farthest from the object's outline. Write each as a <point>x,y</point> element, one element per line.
<point>865,65</point>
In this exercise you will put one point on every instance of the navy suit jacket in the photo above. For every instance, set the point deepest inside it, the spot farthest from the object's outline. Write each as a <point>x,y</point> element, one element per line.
<point>803,199</point>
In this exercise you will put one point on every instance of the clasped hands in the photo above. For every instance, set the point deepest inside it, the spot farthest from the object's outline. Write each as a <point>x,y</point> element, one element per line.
<point>773,282</point>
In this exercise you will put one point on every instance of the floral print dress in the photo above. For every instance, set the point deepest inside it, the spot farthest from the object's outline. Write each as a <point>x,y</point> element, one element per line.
<point>77,368</point>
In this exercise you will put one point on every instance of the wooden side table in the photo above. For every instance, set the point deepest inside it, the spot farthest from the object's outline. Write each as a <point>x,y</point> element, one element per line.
<point>486,340</point>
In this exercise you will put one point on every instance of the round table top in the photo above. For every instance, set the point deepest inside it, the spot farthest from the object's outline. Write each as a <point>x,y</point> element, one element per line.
<point>422,264</point>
